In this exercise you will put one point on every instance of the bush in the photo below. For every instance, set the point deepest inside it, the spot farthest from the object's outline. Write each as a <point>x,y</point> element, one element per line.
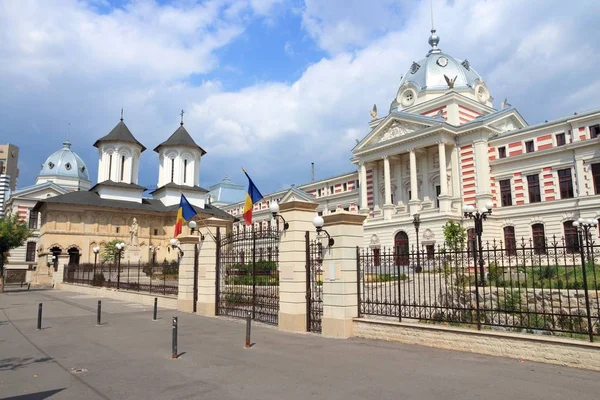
<point>512,301</point>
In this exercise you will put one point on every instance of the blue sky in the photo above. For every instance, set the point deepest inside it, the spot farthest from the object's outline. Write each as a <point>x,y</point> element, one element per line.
<point>271,85</point>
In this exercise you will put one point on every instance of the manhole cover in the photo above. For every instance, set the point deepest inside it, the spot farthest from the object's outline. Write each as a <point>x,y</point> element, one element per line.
<point>78,370</point>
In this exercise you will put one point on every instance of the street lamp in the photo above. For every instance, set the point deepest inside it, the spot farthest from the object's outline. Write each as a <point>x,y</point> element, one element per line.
<point>96,250</point>
<point>174,245</point>
<point>318,222</point>
<point>478,216</point>
<point>192,225</point>
<point>119,247</point>
<point>274,208</point>
<point>417,223</point>
<point>584,227</point>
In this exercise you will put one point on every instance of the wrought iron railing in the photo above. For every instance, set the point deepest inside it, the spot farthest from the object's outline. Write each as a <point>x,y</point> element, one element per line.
<point>149,278</point>
<point>551,287</point>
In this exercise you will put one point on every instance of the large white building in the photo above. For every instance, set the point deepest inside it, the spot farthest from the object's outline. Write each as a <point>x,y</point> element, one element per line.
<point>442,145</point>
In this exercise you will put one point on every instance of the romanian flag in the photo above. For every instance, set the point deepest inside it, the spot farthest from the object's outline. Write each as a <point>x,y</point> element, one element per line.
<point>185,212</point>
<point>253,196</point>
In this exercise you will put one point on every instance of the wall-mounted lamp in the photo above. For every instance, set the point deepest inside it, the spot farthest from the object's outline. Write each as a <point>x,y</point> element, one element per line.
<point>192,225</point>
<point>318,222</point>
<point>274,208</point>
<point>174,245</point>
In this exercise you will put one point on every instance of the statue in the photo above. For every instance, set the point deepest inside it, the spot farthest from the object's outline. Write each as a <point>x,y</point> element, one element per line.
<point>133,233</point>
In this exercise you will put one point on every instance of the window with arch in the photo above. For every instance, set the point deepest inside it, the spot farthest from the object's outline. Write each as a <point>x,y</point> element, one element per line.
<point>571,237</point>
<point>539,238</point>
<point>185,163</point>
<point>110,167</point>
<point>510,242</point>
<point>122,168</point>
<point>172,169</point>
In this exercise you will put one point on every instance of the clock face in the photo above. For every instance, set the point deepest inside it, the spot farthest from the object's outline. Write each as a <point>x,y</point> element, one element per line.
<point>442,61</point>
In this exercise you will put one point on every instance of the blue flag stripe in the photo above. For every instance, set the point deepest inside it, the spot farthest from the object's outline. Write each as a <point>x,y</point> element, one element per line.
<point>187,211</point>
<point>253,191</point>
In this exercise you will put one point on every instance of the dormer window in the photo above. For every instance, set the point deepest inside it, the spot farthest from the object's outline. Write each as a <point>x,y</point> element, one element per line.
<point>68,166</point>
<point>83,168</point>
<point>466,65</point>
<point>414,68</point>
<point>50,165</point>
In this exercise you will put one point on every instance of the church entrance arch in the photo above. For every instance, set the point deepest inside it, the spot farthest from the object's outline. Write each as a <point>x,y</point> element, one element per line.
<point>73,256</point>
<point>401,248</point>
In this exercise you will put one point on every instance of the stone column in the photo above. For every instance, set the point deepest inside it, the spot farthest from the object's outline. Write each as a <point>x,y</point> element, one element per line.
<point>388,207</point>
<point>58,275</point>
<point>292,264</point>
<point>364,203</point>
<point>445,199</point>
<point>414,203</point>
<point>454,172</point>
<point>207,264</point>
<point>340,303</point>
<point>185,298</point>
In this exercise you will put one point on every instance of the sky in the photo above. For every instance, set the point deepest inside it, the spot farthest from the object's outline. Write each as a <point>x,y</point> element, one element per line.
<point>268,85</point>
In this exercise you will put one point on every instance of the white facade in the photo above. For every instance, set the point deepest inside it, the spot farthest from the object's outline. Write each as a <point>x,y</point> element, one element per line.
<point>118,162</point>
<point>179,165</point>
<point>444,145</point>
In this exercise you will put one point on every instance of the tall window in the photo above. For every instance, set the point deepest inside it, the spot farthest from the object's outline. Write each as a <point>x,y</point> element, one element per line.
<point>376,257</point>
<point>594,131</point>
<point>30,252</point>
<point>319,192</point>
<point>596,177</point>
<point>110,167</point>
<point>505,193</point>
<point>33,219</point>
<point>539,239</point>
<point>345,187</point>
<point>560,139</point>
<point>533,187</point>
<point>331,190</point>
<point>172,169</point>
<point>122,168</point>
<point>566,183</point>
<point>510,242</point>
<point>184,170</point>
<point>502,152</point>
<point>571,239</point>
<point>438,191</point>
<point>529,146</point>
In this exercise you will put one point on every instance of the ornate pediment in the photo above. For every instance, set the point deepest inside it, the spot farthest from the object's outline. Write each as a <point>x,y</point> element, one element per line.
<point>394,130</point>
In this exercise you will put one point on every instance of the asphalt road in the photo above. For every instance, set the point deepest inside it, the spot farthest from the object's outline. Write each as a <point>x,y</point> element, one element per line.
<point>128,357</point>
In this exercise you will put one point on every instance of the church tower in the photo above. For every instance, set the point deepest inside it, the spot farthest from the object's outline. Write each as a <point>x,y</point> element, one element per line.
<point>179,169</point>
<point>118,165</point>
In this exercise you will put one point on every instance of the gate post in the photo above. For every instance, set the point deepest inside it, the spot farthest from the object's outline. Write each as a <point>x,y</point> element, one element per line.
<point>292,264</point>
<point>340,295</point>
<point>58,276</point>
<point>207,264</point>
<point>185,296</point>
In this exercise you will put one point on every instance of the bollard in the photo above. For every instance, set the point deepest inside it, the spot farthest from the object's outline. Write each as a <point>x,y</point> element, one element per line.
<point>174,341</point>
<point>248,322</point>
<point>99,316</point>
<point>39,326</point>
<point>28,286</point>
<point>155,308</point>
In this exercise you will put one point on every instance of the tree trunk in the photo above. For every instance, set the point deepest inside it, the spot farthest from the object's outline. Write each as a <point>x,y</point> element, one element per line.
<point>1,272</point>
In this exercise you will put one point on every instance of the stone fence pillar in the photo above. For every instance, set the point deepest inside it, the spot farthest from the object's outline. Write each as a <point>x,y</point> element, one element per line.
<point>207,264</point>
<point>58,275</point>
<point>292,264</point>
<point>185,297</point>
<point>340,303</point>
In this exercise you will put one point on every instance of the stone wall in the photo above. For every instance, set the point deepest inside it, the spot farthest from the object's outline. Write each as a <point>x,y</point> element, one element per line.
<point>140,298</point>
<point>564,352</point>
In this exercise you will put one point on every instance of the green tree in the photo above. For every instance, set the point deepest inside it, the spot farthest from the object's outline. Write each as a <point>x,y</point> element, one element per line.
<point>108,252</point>
<point>13,234</point>
<point>455,236</point>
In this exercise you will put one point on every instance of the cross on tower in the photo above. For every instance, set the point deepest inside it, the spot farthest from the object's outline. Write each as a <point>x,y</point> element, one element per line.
<point>182,112</point>
<point>121,114</point>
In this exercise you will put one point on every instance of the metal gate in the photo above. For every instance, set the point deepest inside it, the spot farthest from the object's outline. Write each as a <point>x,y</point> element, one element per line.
<point>314,284</point>
<point>248,275</point>
<point>15,276</point>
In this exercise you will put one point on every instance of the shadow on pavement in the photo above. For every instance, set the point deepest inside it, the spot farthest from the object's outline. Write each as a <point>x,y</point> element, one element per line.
<point>14,363</point>
<point>35,396</point>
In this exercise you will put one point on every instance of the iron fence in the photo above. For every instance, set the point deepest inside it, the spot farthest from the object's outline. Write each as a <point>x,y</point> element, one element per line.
<point>148,278</point>
<point>550,286</point>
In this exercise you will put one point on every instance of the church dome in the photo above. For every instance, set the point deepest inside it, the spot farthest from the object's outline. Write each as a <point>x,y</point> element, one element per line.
<point>439,71</point>
<point>64,163</point>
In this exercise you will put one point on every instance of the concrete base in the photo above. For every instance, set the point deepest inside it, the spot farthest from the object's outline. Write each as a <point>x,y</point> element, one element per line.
<point>133,255</point>
<point>292,322</point>
<point>207,309</point>
<point>185,305</point>
<point>388,211</point>
<point>134,297</point>
<point>337,328</point>
<point>551,350</point>
<point>414,207</point>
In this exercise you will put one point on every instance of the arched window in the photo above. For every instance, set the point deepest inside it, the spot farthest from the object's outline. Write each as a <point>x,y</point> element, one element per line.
<point>401,251</point>
<point>539,238</point>
<point>73,256</point>
<point>122,167</point>
<point>510,242</point>
<point>571,239</point>
<point>172,169</point>
<point>184,170</point>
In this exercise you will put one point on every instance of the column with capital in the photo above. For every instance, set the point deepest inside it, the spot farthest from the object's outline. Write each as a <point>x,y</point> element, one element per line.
<point>364,204</point>
<point>444,198</point>
<point>482,170</point>
<point>388,207</point>
<point>415,203</point>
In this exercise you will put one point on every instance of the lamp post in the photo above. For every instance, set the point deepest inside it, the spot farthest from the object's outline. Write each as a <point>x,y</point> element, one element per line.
<point>318,222</point>
<point>96,250</point>
<point>584,227</point>
<point>478,216</point>
<point>119,247</point>
<point>174,245</point>
<point>274,208</point>
<point>417,224</point>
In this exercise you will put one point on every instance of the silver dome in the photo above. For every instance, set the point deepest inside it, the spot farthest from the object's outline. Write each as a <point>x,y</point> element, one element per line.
<point>428,73</point>
<point>65,163</point>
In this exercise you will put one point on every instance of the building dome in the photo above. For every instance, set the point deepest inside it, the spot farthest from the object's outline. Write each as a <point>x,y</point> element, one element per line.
<point>439,71</point>
<point>64,163</point>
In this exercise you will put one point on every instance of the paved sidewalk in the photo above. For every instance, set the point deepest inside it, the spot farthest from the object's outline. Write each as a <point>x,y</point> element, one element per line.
<point>128,357</point>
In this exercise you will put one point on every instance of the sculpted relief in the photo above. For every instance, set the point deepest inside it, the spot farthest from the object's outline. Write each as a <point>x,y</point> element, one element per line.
<point>397,129</point>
